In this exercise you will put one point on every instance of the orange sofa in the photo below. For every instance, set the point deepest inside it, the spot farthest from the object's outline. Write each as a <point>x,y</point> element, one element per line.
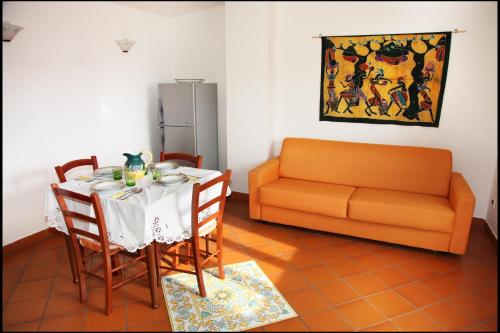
<point>398,194</point>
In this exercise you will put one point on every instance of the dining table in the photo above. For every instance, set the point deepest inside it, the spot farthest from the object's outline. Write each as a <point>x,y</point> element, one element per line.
<point>138,216</point>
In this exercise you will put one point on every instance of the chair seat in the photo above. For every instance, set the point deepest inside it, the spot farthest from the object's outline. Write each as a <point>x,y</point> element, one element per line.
<point>207,228</point>
<point>94,245</point>
<point>418,211</point>
<point>314,197</point>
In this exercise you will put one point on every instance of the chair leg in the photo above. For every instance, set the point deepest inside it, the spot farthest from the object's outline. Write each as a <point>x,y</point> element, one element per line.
<point>72,260</point>
<point>83,287</point>
<point>219,253</point>
<point>81,276</point>
<point>156,248</point>
<point>115,260</point>
<point>150,262</point>
<point>189,253</point>
<point>198,268</point>
<point>175,259</point>
<point>82,252</point>
<point>108,285</point>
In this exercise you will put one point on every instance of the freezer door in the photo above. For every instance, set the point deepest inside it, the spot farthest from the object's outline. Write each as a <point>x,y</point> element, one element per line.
<point>180,140</point>
<point>177,104</point>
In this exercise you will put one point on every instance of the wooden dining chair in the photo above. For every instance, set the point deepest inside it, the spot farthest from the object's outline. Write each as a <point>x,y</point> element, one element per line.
<point>62,169</point>
<point>195,160</point>
<point>201,228</point>
<point>82,240</point>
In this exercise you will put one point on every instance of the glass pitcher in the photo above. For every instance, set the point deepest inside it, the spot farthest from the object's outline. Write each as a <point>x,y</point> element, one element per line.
<point>136,164</point>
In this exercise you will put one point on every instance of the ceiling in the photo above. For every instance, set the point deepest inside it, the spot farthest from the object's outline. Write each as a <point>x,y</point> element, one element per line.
<point>170,8</point>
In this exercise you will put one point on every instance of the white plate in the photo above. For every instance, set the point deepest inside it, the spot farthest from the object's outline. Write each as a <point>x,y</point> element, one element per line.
<point>106,169</point>
<point>107,185</point>
<point>166,165</point>
<point>173,179</point>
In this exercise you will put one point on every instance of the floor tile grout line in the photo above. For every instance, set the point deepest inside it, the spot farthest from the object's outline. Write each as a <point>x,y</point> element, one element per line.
<point>86,307</point>
<point>126,312</point>
<point>20,323</point>
<point>40,264</point>
<point>442,300</point>
<point>459,309</point>
<point>148,323</point>
<point>329,305</point>
<point>20,277</point>
<point>33,250</point>
<point>481,322</point>
<point>55,316</point>
<point>47,303</point>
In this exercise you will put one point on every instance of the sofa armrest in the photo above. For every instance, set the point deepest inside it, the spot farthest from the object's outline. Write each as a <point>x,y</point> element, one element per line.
<point>263,174</point>
<point>462,201</point>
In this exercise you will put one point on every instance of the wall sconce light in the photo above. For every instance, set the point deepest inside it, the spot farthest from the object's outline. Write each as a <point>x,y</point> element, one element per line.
<point>9,31</point>
<point>125,44</point>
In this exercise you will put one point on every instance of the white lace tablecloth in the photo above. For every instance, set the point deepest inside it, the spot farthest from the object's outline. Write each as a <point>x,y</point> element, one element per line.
<point>159,212</point>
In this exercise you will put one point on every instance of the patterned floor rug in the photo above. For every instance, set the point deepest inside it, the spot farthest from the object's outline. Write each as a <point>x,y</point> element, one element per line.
<point>245,299</point>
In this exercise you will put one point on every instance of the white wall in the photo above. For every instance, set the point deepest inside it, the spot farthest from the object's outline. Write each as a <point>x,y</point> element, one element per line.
<point>468,124</point>
<point>69,92</point>
<point>249,87</point>
<point>492,215</point>
<point>196,46</point>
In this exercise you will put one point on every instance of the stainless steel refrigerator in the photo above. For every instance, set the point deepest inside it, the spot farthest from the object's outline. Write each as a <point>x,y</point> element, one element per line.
<point>187,118</point>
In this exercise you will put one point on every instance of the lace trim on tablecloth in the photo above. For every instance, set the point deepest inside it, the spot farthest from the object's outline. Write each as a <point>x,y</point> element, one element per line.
<point>158,233</point>
<point>55,219</point>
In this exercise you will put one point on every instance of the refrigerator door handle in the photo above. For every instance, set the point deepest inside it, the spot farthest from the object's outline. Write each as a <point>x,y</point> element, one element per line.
<point>162,138</point>
<point>160,111</point>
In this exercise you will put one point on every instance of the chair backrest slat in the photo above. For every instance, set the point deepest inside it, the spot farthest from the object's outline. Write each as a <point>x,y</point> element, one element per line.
<point>72,195</point>
<point>211,183</point>
<point>195,160</point>
<point>210,203</point>
<point>62,169</point>
<point>79,216</point>
<point>208,219</point>
<point>85,233</point>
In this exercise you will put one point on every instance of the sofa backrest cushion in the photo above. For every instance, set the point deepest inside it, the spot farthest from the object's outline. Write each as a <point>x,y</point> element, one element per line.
<point>400,168</point>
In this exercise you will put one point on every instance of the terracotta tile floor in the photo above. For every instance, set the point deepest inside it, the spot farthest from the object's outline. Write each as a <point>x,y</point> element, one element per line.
<point>333,282</point>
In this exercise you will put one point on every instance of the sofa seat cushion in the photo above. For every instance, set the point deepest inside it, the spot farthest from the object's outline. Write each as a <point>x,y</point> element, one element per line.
<point>418,211</point>
<point>313,197</point>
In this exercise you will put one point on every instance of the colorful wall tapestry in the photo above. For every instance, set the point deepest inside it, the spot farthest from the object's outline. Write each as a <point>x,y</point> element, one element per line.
<point>384,79</point>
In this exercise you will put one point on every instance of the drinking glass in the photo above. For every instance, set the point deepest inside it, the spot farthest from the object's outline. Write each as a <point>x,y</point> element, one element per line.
<point>129,177</point>
<point>156,173</point>
<point>117,173</point>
